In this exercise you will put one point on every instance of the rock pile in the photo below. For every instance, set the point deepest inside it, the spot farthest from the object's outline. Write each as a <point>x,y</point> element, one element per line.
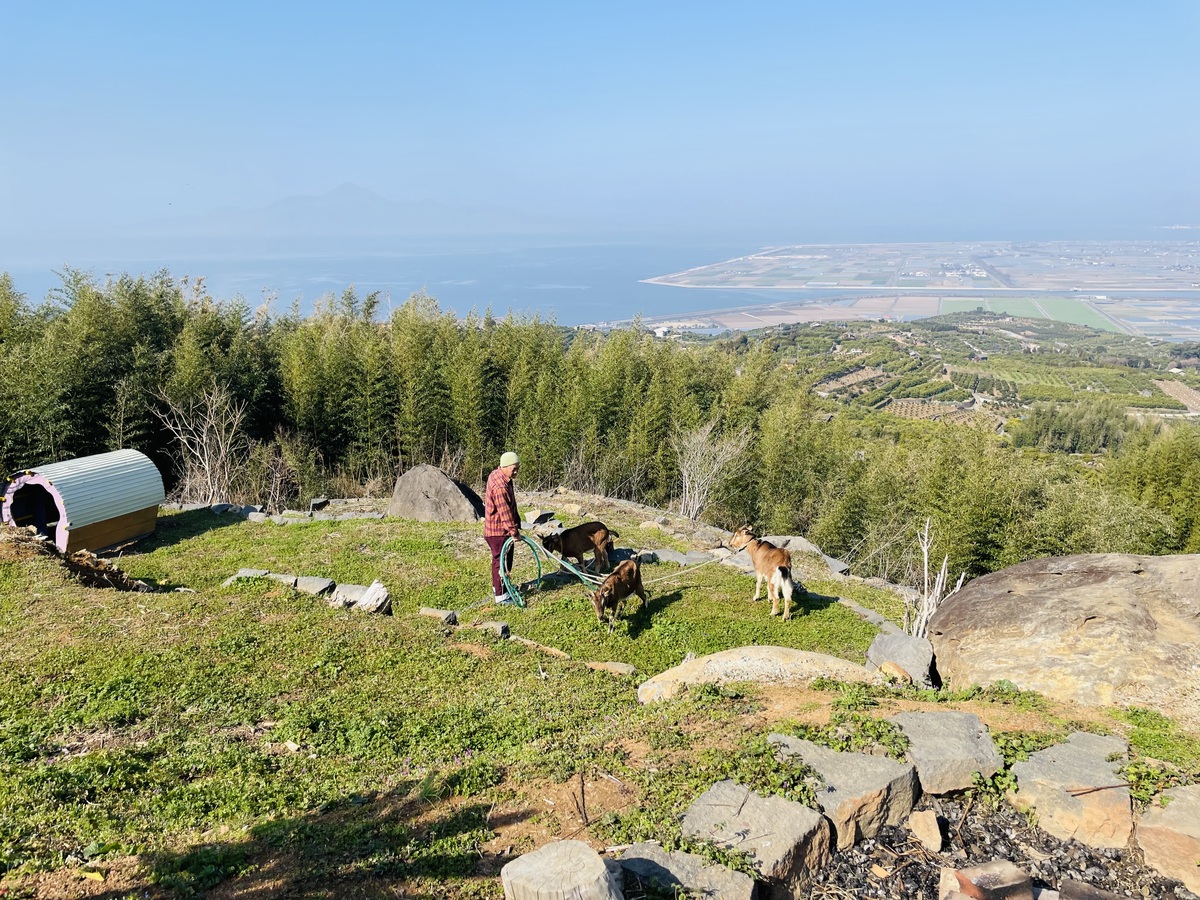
<point>872,835</point>
<point>371,598</point>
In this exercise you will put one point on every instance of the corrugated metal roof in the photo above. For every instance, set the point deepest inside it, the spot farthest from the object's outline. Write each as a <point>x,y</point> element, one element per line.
<point>104,486</point>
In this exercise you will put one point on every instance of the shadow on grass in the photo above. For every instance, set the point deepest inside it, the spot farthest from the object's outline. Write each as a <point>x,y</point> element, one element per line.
<point>644,617</point>
<point>176,527</point>
<point>364,846</point>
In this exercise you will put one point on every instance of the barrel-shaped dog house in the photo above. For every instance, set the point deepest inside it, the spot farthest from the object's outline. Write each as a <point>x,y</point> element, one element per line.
<point>88,503</point>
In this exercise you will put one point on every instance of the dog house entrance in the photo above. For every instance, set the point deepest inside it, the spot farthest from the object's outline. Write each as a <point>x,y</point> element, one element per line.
<point>33,505</point>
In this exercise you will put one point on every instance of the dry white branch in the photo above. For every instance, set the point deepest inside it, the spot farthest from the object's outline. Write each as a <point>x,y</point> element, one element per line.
<point>918,612</point>
<point>704,461</point>
<point>212,446</point>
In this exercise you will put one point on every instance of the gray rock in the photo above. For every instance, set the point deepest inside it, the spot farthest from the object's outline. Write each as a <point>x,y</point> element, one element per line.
<point>1076,792</point>
<point>563,870</point>
<point>220,508</point>
<point>346,595</point>
<point>912,654</point>
<point>295,514</point>
<point>672,556</point>
<point>615,668</point>
<point>948,748</point>
<point>317,503</point>
<point>257,517</point>
<point>861,793</point>
<point>1100,630</point>
<point>1069,889</point>
<point>375,599</point>
<point>445,616</point>
<point>787,841</point>
<point>192,507</point>
<point>869,615</point>
<point>283,578</point>
<point>1170,835</point>
<point>374,516</point>
<point>539,517</point>
<point>763,665</point>
<point>245,573</point>
<point>836,566</point>
<point>696,557</point>
<point>428,494</point>
<point>645,556</point>
<point>314,584</point>
<point>740,561</point>
<point>792,542</point>
<point>499,629</point>
<point>676,873</point>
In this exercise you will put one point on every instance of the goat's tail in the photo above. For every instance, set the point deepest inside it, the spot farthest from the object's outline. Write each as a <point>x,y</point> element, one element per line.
<point>783,582</point>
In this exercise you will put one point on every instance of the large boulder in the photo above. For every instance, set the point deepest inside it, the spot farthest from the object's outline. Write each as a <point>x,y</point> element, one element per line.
<point>760,665</point>
<point>428,494</point>
<point>1101,629</point>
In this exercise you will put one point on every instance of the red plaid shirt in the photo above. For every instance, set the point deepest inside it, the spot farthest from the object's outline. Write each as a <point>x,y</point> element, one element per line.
<point>500,516</point>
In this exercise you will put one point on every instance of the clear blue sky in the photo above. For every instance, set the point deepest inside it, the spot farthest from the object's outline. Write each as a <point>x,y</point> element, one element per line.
<point>619,115</point>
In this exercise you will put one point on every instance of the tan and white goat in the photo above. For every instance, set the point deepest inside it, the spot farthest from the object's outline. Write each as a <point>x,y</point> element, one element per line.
<point>772,564</point>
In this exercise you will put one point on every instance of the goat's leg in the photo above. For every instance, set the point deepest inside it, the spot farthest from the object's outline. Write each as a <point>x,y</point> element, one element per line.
<point>758,580</point>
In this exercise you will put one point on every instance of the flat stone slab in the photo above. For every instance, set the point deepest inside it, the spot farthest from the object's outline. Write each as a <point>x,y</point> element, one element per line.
<point>787,841</point>
<point>499,629</point>
<point>314,584</point>
<point>912,654</point>
<point>1170,836</point>
<point>614,668</point>
<point>245,573</point>
<point>445,616</point>
<point>677,872</point>
<point>1075,789</point>
<point>761,665</point>
<point>284,578</point>
<point>564,870</point>
<point>346,595</point>
<point>948,748</point>
<point>861,793</point>
<point>258,517</point>
<point>665,554</point>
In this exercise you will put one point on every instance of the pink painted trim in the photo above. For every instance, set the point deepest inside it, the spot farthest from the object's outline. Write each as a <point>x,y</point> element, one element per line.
<point>32,478</point>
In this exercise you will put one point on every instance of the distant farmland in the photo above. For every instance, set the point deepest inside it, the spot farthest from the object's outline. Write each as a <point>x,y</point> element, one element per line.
<point>1059,309</point>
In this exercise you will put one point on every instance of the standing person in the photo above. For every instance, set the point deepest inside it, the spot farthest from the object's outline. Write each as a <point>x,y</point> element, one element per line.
<point>500,518</point>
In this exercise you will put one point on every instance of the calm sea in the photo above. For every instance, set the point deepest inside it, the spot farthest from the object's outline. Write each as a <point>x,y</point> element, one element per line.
<point>574,284</point>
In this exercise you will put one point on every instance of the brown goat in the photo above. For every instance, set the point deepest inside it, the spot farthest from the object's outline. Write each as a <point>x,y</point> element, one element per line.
<point>625,579</point>
<point>771,564</point>
<point>590,537</point>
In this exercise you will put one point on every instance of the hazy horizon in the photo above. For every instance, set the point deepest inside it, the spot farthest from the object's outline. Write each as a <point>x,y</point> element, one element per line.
<point>780,123</point>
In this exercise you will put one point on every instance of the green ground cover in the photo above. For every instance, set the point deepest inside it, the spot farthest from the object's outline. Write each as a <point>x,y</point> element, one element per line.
<point>1068,309</point>
<point>1015,306</point>
<point>250,735</point>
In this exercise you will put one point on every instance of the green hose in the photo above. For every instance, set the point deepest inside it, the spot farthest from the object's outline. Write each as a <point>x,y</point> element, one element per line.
<point>538,552</point>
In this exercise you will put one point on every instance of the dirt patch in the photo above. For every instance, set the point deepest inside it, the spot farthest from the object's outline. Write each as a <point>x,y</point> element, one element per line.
<point>124,876</point>
<point>17,544</point>
<point>474,649</point>
<point>546,812</point>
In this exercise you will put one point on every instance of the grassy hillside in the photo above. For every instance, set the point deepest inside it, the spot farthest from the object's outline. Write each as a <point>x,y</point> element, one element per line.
<point>221,740</point>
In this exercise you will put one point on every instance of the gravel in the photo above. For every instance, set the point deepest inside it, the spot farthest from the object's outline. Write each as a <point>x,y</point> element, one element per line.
<point>975,835</point>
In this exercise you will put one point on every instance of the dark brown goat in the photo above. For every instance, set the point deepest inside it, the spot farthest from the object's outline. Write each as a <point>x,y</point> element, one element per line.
<point>625,579</point>
<point>590,537</point>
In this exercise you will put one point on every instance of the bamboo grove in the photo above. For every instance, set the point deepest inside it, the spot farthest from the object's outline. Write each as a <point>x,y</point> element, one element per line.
<point>341,400</point>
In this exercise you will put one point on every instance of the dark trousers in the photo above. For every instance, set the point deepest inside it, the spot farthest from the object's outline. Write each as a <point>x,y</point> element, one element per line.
<point>497,544</point>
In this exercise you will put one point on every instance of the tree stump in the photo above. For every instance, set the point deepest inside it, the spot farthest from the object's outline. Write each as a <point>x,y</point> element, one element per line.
<point>564,870</point>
